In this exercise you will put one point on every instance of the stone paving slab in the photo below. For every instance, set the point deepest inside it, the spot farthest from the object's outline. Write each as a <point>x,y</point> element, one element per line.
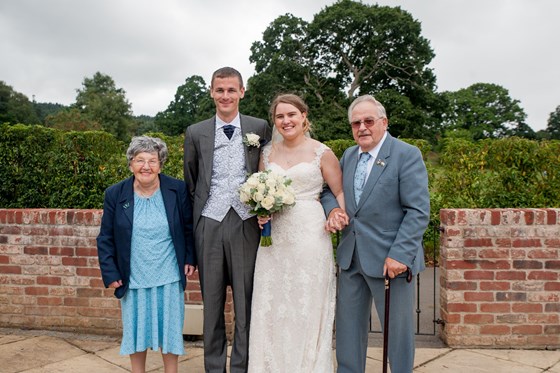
<point>34,352</point>
<point>84,363</point>
<point>467,361</point>
<point>10,338</point>
<point>537,358</point>
<point>93,346</point>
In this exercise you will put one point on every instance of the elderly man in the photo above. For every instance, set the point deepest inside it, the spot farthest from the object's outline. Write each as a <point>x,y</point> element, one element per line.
<point>387,211</point>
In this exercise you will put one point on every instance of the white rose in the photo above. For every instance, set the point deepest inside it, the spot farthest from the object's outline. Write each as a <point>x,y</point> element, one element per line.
<point>267,202</point>
<point>271,182</point>
<point>253,181</point>
<point>258,196</point>
<point>288,199</point>
<point>253,139</point>
<point>244,196</point>
<point>261,188</point>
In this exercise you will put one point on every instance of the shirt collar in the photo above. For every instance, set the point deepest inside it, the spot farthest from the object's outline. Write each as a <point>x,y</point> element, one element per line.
<point>375,151</point>
<point>236,122</point>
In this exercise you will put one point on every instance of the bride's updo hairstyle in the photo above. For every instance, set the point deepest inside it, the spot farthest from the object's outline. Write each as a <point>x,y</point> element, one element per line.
<point>295,100</point>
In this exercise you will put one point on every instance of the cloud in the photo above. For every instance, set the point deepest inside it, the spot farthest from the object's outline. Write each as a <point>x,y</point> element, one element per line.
<point>149,48</point>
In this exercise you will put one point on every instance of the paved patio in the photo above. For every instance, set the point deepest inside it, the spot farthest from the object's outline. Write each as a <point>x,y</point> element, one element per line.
<point>50,352</point>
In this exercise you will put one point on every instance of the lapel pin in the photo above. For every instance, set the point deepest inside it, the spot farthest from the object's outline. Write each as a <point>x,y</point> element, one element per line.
<point>126,205</point>
<point>380,162</point>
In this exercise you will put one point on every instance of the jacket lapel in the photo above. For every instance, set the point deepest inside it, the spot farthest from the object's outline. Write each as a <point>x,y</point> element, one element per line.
<point>245,129</point>
<point>207,138</point>
<point>349,172</point>
<point>379,165</point>
<point>168,194</point>
<point>126,200</point>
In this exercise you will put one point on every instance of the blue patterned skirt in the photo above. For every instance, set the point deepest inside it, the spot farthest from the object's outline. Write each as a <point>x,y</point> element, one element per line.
<point>153,318</point>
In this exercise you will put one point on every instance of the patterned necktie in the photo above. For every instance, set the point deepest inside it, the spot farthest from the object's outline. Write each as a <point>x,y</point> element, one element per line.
<point>228,130</point>
<point>360,175</point>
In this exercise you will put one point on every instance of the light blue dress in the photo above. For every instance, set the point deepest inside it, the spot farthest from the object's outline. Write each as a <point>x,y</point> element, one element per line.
<point>153,306</point>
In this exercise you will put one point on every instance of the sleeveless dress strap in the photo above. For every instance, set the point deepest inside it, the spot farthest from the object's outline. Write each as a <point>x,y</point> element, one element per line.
<point>319,153</point>
<point>266,154</point>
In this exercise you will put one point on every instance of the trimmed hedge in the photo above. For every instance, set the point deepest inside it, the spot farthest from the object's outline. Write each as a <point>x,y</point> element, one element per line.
<point>48,168</point>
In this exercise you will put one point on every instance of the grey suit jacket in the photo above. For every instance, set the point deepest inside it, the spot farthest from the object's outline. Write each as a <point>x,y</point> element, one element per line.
<point>199,156</point>
<point>393,212</point>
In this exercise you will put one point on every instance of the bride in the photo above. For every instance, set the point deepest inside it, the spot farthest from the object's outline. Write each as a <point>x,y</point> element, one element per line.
<point>294,284</point>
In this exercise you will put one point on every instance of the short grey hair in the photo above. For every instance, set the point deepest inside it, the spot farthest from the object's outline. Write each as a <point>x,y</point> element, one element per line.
<point>147,144</point>
<point>367,98</point>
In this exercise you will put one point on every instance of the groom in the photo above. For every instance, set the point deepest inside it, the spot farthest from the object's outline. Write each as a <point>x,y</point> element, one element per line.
<point>216,163</point>
<point>388,206</point>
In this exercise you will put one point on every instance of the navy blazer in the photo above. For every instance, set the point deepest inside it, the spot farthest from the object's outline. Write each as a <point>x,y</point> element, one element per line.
<point>113,241</point>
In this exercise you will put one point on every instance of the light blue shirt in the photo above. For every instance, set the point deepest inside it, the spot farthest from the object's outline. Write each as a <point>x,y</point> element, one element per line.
<point>153,261</point>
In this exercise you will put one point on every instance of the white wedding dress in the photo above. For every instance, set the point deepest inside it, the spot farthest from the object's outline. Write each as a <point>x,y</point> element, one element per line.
<point>294,286</point>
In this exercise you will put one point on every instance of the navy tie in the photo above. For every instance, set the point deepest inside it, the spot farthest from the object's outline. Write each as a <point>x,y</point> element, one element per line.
<point>228,130</point>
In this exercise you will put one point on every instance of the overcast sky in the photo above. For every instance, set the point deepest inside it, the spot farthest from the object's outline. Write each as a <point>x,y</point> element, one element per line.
<point>150,47</point>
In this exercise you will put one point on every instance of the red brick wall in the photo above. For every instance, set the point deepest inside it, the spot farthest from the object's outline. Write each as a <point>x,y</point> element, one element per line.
<point>500,278</point>
<point>50,277</point>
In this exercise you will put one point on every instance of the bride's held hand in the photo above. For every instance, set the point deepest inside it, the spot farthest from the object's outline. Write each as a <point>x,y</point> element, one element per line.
<point>337,220</point>
<point>263,220</point>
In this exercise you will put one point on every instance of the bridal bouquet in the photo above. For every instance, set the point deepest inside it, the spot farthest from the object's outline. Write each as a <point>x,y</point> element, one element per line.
<point>267,192</point>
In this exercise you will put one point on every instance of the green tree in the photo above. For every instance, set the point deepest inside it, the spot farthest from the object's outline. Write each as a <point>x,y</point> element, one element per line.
<point>142,124</point>
<point>102,102</point>
<point>553,126</point>
<point>44,109</point>
<point>486,111</point>
<point>281,65</point>
<point>370,48</point>
<point>349,48</point>
<point>72,119</point>
<point>192,103</point>
<point>15,107</point>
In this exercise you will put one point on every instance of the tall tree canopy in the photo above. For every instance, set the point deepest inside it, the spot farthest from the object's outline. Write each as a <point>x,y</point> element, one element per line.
<point>45,109</point>
<point>15,107</point>
<point>71,119</point>
<point>553,126</point>
<point>486,110</point>
<point>102,102</point>
<point>192,103</point>
<point>349,48</point>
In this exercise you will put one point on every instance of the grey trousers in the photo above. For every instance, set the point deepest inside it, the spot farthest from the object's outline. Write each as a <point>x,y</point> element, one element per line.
<point>353,308</point>
<point>226,254</point>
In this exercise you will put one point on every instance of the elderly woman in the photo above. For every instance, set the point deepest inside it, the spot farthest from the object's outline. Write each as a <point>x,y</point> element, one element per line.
<point>146,250</point>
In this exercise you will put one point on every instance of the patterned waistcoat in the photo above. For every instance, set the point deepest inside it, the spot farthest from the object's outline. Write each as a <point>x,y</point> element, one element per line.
<point>228,173</point>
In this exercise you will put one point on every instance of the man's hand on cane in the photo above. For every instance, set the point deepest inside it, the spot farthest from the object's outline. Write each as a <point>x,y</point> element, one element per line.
<point>393,268</point>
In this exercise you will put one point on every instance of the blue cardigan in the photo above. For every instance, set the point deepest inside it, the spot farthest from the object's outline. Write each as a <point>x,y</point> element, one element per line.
<point>113,241</point>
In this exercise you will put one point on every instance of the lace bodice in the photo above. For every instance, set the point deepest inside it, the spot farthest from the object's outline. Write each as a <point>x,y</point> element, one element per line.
<point>306,177</point>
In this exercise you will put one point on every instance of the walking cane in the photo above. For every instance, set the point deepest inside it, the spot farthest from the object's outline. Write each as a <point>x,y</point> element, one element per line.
<point>386,321</point>
<point>386,318</point>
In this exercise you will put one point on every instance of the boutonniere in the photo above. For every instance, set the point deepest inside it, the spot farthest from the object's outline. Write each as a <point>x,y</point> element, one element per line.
<point>380,162</point>
<point>252,140</point>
